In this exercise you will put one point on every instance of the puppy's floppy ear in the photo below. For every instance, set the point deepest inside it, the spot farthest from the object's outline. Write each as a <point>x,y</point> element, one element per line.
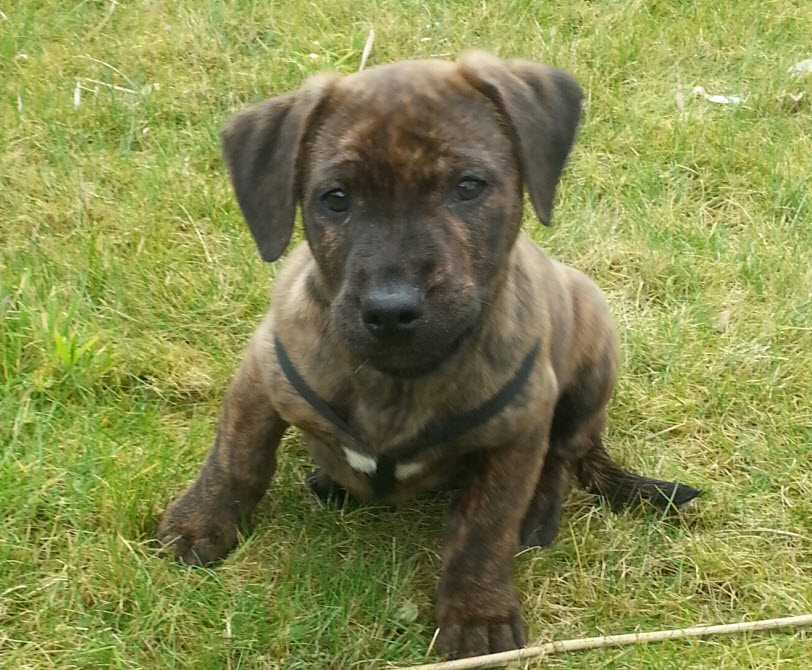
<point>542,106</point>
<point>261,148</point>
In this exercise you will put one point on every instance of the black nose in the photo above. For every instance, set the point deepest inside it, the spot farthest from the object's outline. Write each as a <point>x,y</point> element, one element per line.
<point>392,310</point>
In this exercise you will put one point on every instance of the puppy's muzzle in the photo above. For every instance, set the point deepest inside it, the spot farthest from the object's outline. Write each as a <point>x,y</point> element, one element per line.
<point>392,310</point>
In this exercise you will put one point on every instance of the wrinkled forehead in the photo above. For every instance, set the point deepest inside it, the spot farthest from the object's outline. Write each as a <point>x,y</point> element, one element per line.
<point>418,121</point>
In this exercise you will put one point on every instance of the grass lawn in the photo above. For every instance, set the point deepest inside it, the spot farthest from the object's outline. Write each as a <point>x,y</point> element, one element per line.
<point>129,286</point>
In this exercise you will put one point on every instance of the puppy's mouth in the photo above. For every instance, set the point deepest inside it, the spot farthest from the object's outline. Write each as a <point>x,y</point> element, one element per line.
<point>409,365</point>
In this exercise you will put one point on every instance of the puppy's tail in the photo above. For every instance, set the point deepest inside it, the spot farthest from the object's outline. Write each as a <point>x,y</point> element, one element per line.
<point>599,474</point>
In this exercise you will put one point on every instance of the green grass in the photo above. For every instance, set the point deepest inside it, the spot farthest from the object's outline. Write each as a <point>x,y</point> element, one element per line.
<point>129,287</point>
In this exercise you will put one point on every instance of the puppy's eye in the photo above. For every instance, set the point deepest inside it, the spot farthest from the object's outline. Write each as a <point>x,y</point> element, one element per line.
<point>336,200</point>
<point>470,188</point>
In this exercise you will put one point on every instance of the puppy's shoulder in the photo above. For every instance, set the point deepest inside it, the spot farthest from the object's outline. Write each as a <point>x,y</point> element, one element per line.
<point>538,274</point>
<point>558,283</point>
<point>299,319</point>
<point>297,311</point>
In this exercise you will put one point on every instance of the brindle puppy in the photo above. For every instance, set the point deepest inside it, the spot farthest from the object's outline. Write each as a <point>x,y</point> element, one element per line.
<point>419,338</point>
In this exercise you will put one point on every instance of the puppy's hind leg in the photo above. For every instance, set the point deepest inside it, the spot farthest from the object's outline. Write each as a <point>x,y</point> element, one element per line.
<point>579,415</point>
<point>543,515</point>
<point>584,455</point>
<point>325,488</point>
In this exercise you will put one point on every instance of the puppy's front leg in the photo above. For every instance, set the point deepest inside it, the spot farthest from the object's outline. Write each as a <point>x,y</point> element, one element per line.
<point>477,608</point>
<point>202,525</point>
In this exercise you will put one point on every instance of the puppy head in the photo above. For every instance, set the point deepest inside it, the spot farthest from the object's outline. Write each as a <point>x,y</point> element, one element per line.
<point>409,178</point>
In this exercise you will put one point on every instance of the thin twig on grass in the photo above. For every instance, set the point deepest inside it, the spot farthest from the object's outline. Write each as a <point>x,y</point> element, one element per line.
<point>604,641</point>
<point>103,22</point>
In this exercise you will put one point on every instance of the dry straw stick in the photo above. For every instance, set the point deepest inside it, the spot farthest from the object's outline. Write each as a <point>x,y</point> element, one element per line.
<point>367,49</point>
<point>604,641</point>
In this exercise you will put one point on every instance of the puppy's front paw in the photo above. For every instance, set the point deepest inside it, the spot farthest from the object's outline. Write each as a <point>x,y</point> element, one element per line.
<point>196,535</point>
<point>470,626</point>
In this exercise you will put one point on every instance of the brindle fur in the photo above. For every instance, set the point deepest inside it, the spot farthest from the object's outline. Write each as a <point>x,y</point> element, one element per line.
<point>398,138</point>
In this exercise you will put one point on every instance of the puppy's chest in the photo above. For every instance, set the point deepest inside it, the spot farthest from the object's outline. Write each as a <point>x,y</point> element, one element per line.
<point>386,430</point>
<point>392,445</point>
<point>380,439</point>
<point>376,442</point>
<point>389,416</point>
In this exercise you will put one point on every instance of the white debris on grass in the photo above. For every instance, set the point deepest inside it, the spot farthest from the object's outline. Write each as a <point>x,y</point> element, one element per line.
<point>82,85</point>
<point>801,68</point>
<point>717,99</point>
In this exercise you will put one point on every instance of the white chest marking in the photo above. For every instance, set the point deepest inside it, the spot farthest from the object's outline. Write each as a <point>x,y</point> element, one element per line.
<point>369,465</point>
<point>361,462</point>
<point>406,470</point>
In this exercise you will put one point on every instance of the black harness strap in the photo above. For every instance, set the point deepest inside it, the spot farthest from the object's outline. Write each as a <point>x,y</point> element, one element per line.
<point>384,478</point>
<point>436,433</point>
<point>313,399</point>
<point>433,434</point>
